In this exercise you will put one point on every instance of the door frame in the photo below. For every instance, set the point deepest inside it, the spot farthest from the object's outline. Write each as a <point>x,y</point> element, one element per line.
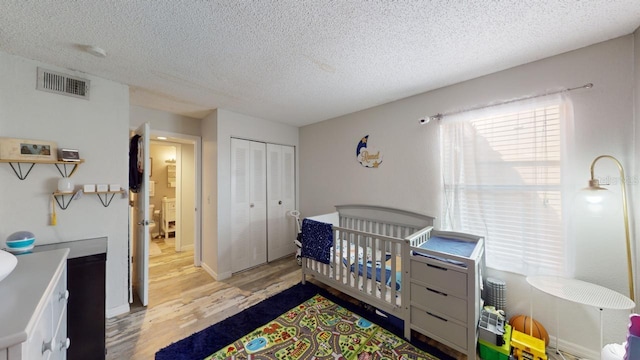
<point>196,141</point>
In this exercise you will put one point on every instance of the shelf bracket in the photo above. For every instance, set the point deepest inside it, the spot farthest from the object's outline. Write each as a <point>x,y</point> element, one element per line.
<point>107,200</point>
<point>18,172</point>
<point>63,205</point>
<point>64,166</point>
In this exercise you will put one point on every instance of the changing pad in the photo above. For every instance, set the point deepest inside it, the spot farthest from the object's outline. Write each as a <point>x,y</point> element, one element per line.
<point>448,246</point>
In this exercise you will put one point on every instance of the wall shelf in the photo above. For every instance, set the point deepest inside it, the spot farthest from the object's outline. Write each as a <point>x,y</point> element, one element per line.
<point>16,165</point>
<point>104,196</point>
<point>60,199</point>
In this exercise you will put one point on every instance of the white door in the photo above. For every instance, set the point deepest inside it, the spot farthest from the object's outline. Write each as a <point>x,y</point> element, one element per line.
<point>281,199</point>
<point>248,204</point>
<point>141,263</point>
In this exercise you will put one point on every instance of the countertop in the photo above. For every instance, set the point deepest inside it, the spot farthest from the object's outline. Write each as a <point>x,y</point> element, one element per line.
<point>78,248</point>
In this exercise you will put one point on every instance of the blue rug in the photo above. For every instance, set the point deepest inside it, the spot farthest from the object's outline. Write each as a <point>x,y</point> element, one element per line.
<point>206,342</point>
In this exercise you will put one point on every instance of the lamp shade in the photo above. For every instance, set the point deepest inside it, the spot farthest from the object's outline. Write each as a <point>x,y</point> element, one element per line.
<point>595,198</point>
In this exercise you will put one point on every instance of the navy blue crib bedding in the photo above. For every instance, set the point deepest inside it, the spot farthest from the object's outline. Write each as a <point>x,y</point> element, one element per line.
<point>317,240</point>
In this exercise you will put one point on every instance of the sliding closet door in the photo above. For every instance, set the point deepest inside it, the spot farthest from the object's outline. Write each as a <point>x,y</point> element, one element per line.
<point>281,199</point>
<point>248,204</point>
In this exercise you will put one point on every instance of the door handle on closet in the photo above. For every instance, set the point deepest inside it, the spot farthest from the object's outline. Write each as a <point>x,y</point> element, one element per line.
<point>251,205</point>
<point>280,202</point>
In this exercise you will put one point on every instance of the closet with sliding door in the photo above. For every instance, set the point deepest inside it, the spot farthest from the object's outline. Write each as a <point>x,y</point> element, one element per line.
<point>262,194</point>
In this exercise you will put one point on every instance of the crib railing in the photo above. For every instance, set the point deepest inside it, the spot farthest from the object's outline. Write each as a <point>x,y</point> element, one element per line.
<point>376,227</point>
<point>419,237</point>
<point>358,267</point>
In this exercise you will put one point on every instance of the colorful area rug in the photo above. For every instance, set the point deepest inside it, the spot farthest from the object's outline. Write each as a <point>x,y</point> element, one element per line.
<point>303,322</point>
<point>320,329</point>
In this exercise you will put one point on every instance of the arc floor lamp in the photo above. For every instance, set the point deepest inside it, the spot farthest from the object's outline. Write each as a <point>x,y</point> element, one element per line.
<point>595,196</point>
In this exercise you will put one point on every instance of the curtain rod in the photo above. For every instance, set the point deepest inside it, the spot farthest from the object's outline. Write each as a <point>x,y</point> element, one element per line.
<point>439,116</point>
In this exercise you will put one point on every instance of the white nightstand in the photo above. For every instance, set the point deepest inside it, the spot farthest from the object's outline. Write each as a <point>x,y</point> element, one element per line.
<point>168,216</point>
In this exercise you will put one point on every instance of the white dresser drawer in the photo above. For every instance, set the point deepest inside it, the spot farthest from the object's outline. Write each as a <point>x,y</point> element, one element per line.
<point>441,302</point>
<point>440,278</point>
<point>41,336</point>
<point>62,342</point>
<point>439,328</point>
<point>59,298</point>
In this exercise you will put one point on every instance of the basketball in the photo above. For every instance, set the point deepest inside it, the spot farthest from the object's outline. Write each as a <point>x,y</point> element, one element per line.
<point>524,324</point>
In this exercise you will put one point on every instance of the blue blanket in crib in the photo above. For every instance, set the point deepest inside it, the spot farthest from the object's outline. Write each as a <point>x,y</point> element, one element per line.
<point>378,271</point>
<point>317,240</point>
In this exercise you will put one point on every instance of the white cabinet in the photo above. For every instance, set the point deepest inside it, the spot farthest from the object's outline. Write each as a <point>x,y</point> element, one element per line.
<point>439,302</point>
<point>281,198</point>
<point>445,299</point>
<point>34,317</point>
<point>168,216</point>
<point>262,192</point>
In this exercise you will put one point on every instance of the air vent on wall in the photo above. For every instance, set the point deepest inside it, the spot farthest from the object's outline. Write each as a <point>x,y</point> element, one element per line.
<point>62,84</point>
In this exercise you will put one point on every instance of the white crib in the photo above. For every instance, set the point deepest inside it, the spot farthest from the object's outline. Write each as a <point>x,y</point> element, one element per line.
<point>443,289</point>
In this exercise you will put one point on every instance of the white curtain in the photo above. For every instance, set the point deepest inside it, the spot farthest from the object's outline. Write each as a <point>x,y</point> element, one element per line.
<point>503,178</point>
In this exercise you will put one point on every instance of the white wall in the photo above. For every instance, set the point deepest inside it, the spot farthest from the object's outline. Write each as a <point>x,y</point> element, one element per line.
<point>98,128</point>
<point>225,125</point>
<point>409,175</point>
<point>209,253</point>
<point>161,120</point>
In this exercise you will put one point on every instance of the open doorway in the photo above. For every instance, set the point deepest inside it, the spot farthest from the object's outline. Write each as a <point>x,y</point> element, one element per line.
<point>174,200</point>
<point>171,196</point>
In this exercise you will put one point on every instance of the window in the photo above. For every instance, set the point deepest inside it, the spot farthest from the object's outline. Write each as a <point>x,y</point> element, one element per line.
<point>502,179</point>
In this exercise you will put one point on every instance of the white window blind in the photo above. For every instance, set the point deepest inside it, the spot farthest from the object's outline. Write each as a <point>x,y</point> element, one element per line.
<point>502,179</point>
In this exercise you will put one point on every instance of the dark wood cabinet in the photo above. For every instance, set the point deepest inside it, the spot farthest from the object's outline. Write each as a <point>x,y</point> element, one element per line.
<point>86,310</point>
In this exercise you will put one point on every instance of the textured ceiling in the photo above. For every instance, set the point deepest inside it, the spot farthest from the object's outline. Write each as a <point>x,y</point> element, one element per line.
<point>300,61</point>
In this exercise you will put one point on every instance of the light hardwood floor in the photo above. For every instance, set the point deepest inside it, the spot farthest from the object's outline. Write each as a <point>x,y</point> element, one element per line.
<point>184,299</point>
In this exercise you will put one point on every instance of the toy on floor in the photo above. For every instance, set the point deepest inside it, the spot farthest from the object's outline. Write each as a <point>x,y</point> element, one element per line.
<point>527,347</point>
<point>491,351</point>
<point>491,326</point>
<point>295,214</point>
<point>632,347</point>
<point>530,326</point>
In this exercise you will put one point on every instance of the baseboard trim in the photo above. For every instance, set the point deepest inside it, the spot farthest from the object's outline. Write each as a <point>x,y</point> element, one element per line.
<point>118,310</point>
<point>573,349</point>
<point>213,274</point>
<point>186,247</point>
